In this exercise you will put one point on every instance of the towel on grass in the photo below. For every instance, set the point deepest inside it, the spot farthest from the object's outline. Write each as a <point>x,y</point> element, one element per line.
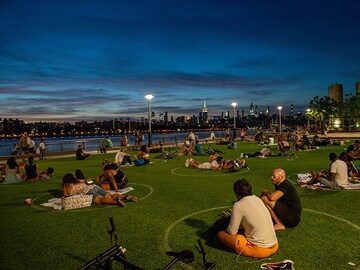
<point>56,202</point>
<point>304,177</point>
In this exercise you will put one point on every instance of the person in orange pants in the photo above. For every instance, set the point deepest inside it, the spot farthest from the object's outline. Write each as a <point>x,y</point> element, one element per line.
<point>250,232</point>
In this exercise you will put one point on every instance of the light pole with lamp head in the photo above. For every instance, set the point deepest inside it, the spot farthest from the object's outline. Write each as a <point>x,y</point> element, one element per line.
<point>279,108</point>
<point>308,112</point>
<point>149,97</point>
<point>234,104</point>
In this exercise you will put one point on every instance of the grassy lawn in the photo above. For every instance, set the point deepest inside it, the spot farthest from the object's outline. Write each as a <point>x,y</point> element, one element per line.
<point>177,206</point>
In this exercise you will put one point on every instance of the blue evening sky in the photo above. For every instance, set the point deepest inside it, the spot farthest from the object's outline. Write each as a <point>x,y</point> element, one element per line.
<point>96,60</point>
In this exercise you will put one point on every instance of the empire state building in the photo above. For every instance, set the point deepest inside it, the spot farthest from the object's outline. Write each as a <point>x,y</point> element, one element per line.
<point>205,114</point>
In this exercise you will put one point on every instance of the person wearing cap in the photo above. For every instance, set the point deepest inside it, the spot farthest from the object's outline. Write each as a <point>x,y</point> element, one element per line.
<point>284,203</point>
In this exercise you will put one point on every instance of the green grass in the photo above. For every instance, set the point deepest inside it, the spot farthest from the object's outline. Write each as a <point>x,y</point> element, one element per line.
<point>177,205</point>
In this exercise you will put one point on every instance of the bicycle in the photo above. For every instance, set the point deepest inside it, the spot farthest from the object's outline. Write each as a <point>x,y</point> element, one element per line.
<point>212,151</point>
<point>167,155</point>
<point>116,253</point>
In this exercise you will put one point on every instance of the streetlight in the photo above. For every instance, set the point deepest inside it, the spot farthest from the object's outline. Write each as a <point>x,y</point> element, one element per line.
<point>308,112</point>
<point>149,97</point>
<point>234,104</point>
<point>279,108</point>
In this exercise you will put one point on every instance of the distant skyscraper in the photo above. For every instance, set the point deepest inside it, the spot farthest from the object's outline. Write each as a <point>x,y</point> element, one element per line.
<point>166,119</point>
<point>335,91</point>
<point>268,110</point>
<point>292,110</point>
<point>205,114</point>
<point>251,110</point>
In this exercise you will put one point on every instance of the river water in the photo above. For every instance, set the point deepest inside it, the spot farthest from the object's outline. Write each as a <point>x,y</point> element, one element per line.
<point>90,143</point>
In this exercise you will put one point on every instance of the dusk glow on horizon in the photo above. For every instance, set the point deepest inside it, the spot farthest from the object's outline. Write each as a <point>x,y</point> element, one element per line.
<point>96,60</point>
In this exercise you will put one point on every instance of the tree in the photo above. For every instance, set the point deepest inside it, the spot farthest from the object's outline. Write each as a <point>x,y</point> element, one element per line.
<point>322,109</point>
<point>352,110</point>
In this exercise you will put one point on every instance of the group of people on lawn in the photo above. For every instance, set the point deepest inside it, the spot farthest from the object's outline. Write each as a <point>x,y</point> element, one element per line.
<point>11,173</point>
<point>341,168</point>
<point>251,228</point>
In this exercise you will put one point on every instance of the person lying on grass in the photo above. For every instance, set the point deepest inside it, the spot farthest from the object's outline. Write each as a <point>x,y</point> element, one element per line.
<point>263,153</point>
<point>213,165</point>
<point>72,186</point>
<point>232,165</point>
<point>284,203</point>
<point>250,231</point>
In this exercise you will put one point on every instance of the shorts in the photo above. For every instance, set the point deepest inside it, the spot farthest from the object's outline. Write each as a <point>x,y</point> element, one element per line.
<point>286,215</point>
<point>97,191</point>
<point>205,165</point>
<point>139,162</point>
<point>248,249</point>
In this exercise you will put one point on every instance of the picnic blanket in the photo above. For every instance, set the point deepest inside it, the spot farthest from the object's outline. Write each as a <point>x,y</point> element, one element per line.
<point>56,202</point>
<point>305,177</point>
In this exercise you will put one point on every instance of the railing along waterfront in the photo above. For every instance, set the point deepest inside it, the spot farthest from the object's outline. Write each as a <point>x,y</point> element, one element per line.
<point>91,143</point>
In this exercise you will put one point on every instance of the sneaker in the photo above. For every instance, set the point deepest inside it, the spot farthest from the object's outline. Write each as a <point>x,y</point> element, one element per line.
<point>132,198</point>
<point>119,202</point>
<point>284,265</point>
<point>187,162</point>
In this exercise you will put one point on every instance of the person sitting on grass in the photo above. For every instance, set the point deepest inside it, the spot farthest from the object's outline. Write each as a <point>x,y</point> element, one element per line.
<point>284,203</point>
<point>232,144</point>
<point>213,165</point>
<point>143,157</point>
<point>186,148</point>
<point>11,171</point>
<point>32,173</point>
<point>198,148</point>
<point>109,180</point>
<point>338,175</point>
<point>122,158</point>
<point>354,150</point>
<point>353,171</point>
<point>72,186</point>
<point>159,148</point>
<point>112,178</point>
<point>80,154</point>
<point>250,232</point>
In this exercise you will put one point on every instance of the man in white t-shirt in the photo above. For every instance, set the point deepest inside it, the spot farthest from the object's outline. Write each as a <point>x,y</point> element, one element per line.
<point>338,174</point>
<point>250,232</point>
<point>122,158</point>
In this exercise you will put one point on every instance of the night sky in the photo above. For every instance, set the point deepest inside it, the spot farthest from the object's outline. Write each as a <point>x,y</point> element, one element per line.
<point>96,60</point>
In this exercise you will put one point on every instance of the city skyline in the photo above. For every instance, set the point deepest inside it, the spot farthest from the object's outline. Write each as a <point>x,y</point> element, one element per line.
<point>96,60</point>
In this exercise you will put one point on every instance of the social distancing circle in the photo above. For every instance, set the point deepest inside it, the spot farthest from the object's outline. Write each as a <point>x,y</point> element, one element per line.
<point>206,173</point>
<point>37,205</point>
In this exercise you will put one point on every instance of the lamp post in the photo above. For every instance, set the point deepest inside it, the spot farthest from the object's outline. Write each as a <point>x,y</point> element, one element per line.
<point>234,104</point>
<point>308,112</point>
<point>279,108</point>
<point>149,97</point>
